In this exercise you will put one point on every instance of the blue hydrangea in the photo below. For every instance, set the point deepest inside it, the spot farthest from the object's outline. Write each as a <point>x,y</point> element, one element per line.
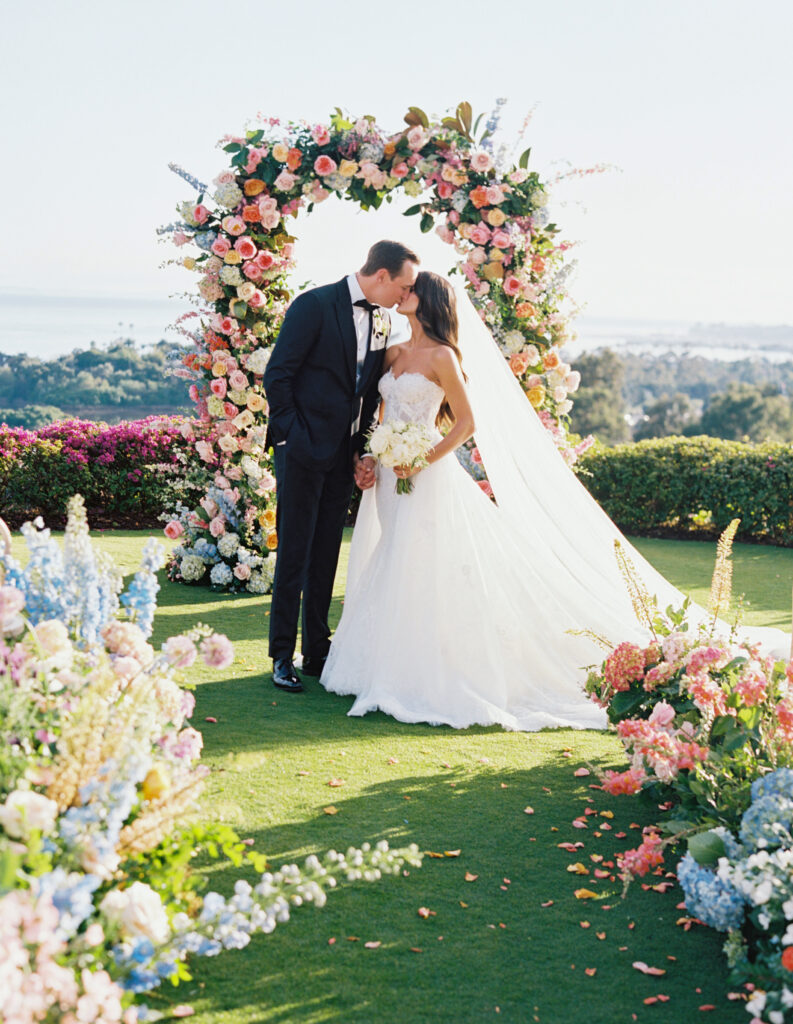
<point>204,239</point>
<point>71,894</point>
<point>206,551</point>
<point>226,506</point>
<point>712,899</point>
<point>768,823</point>
<point>221,575</point>
<point>779,783</point>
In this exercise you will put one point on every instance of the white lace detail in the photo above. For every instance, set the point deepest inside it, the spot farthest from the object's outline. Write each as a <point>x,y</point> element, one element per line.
<point>410,397</point>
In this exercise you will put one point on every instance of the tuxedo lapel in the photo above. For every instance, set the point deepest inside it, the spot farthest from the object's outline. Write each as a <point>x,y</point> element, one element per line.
<point>346,325</point>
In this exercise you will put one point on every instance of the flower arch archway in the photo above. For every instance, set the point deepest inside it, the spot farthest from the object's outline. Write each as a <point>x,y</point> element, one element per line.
<point>493,215</point>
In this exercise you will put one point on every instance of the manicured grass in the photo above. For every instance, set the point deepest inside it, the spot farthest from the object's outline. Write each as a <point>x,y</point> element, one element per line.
<point>490,950</point>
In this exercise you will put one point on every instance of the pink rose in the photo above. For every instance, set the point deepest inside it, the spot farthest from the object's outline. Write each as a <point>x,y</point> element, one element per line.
<point>444,189</point>
<point>518,175</point>
<point>324,166</point>
<point>180,651</point>
<point>480,234</point>
<point>252,271</point>
<point>226,324</point>
<point>533,380</point>
<point>217,526</point>
<point>234,472</point>
<point>221,246</point>
<point>320,135</point>
<point>174,529</point>
<point>233,225</point>
<point>485,485</point>
<point>500,239</point>
<point>200,213</point>
<point>663,714</point>
<point>572,380</point>
<point>482,162</point>
<point>218,387</point>
<point>242,571</point>
<point>445,234</point>
<point>217,651</point>
<point>417,137</point>
<point>268,208</point>
<point>453,217</point>
<point>256,301</point>
<point>401,170</point>
<point>285,182</point>
<point>495,194</point>
<point>476,456</point>
<point>265,259</point>
<point>209,506</point>
<point>224,178</point>
<point>205,450</point>
<point>245,248</point>
<point>511,285</point>
<point>238,380</point>
<point>220,480</point>
<point>193,393</point>
<point>287,250</point>
<point>180,238</point>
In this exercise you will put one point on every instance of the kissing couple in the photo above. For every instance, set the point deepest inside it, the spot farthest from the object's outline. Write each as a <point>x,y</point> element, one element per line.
<point>459,609</point>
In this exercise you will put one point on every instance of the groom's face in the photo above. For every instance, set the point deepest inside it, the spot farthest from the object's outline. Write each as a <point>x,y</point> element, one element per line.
<point>390,291</point>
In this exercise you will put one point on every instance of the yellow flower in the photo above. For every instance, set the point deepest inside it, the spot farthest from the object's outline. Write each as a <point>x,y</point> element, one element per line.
<point>536,395</point>
<point>218,369</point>
<point>348,168</point>
<point>156,783</point>
<point>267,519</point>
<point>497,254</point>
<point>459,178</point>
<point>188,263</point>
<point>272,541</point>
<point>494,271</point>
<point>280,152</point>
<point>496,217</point>
<point>232,257</point>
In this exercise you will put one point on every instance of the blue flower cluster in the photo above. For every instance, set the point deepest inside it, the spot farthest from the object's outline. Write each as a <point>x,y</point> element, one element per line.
<point>140,598</point>
<point>142,967</point>
<point>778,783</point>
<point>712,899</point>
<point>71,893</point>
<point>768,823</point>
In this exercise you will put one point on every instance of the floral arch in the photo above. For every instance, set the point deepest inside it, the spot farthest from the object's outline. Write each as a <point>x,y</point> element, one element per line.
<point>494,216</point>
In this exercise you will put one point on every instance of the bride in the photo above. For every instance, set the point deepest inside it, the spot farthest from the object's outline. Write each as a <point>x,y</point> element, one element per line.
<point>458,611</point>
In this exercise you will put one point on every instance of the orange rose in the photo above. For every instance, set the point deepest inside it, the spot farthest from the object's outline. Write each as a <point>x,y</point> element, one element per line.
<point>525,309</point>
<point>251,214</point>
<point>787,958</point>
<point>496,217</point>
<point>551,359</point>
<point>272,541</point>
<point>390,148</point>
<point>267,519</point>
<point>253,186</point>
<point>479,197</point>
<point>538,265</point>
<point>294,159</point>
<point>518,363</point>
<point>280,152</point>
<point>537,395</point>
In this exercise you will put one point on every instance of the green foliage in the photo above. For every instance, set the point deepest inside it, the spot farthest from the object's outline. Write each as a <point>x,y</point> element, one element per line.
<point>31,416</point>
<point>599,408</point>
<point>674,483</point>
<point>748,411</point>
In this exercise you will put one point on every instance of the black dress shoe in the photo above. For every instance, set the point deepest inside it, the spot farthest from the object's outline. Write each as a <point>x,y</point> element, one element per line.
<point>313,666</point>
<point>285,677</point>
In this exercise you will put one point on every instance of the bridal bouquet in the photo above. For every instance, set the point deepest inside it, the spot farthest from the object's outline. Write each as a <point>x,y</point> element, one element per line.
<point>394,443</point>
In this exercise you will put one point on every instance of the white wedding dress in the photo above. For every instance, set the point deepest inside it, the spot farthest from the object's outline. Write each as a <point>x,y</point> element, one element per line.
<point>458,611</point>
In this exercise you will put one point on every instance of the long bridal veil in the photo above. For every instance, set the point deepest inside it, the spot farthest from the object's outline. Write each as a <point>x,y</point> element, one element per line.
<point>562,533</point>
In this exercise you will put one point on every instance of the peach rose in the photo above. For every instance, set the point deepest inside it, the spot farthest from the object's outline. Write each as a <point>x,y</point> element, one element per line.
<point>245,248</point>
<point>219,368</point>
<point>518,363</point>
<point>204,449</point>
<point>280,152</point>
<point>481,162</point>
<point>511,285</point>
<point>445,234</point>
<point>251,214</point>
<point>294,159</point>
<point>494,271</point>
<point>524,310</point>
<point>477,256</point>
<point>496,217</point>
<point>495,194</point>
<point>416,137</point>
<point>221,246</point>
<point>217,526</point>
<point>285,182</point>
<point>479,197</point>
<point>551,359</point>
<point>348,168</point>
<point>256,301</point>
<point>538,265</point>
<point>255,402</point>
<point>253,187</point>
<point>238,380</point>
<point>268,210</point>
<point>324,166</point>
<point>242,571</point>
<point>233,225</point>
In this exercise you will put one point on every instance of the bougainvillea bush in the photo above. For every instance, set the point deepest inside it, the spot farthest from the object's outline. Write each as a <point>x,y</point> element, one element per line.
<point>707,724</point>
<point>99,774</point>
<point>492,212</point>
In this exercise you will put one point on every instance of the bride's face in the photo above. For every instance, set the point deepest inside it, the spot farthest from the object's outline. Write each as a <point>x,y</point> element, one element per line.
<point>409,304</point>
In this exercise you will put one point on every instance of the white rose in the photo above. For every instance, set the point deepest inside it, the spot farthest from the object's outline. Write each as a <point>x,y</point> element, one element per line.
<point>246,291</point>
<point>257,361</point>
<point>563,408</point>
<point>534,355</point>
<point>53,638</point>
<point>559,393</point>
<point>25,811</point>
<point>513,342</point>
<point>228,443</point>
<point>139,912</point>
<point>572,380</point>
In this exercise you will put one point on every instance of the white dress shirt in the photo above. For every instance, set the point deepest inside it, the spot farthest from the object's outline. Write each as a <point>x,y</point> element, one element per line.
<point>360,318</point>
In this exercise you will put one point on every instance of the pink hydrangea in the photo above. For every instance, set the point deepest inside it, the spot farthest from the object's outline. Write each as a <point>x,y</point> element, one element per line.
<point>180,651</point>
<point>217,651</point>
<point>623,666</point>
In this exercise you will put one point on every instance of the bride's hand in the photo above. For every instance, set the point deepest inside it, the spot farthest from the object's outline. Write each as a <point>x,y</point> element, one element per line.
<point>403,472</point>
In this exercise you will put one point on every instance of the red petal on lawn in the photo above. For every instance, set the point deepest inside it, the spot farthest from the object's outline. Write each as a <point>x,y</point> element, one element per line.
<point>584,924</point>
<point>392,760</point>
<point>352,938</point>
<point>570,847</point>
<point>528,810</point>
<point>591,971</point>
<point>548,903</point>
<point>580,823</point>
<point>332,941</point>
<point>415,949</point>
<point>620,835</point>
<point>663,999</point>
<point>601,935</point>
<point>209,718</point>
<point>303,771</point>
<point>600,873</point>
<point>335,783</point>
<point>588,811</point>
<point>545,789</point>
<point>581,773</point>
<point>650,1000</point>
<point>707,1006</point>
<point>248,842</point>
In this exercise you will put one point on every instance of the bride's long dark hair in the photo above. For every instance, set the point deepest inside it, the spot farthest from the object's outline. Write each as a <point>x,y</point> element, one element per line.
<point>437,314</point>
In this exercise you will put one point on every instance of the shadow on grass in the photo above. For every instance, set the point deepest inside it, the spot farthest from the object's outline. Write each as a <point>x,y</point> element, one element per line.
<point>488,941</point>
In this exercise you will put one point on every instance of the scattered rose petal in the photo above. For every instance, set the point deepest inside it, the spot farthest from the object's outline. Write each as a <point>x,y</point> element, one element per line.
<point>392,760</point>
<point>432,853</point>
<point>352,938</point>
<point>581,773</point>
<point>601,935</point>
<point>578,868</point>
<point>584,924</point>
<point>600,873</point>
<point>607,814</point>
<point>335,783</point>
<point>330,809</point>
<point>303,772</point>
<point>640,965</point>
<point>463,905</point>
<point>591,971</point>
<point>650,1000</point>
<point>452,853</point>
<point>470,877</point>
<point>372,945</point>
<point>528,810</point>
<point>248,842</point>
<point>332,941</point>
<point>209,718</point>
<point>570,847</point>
<point>548,903</point>
<point>426,912</point>
<point>415,949</point>
<point>707,1006</point>
<point>585,894</point>
<point>580,823</point>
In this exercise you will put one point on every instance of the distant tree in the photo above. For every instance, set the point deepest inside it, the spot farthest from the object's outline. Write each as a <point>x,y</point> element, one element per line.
<point>669,414</point>
<point>599,406</point>
<point>749,410</point>
<point>31,416</point>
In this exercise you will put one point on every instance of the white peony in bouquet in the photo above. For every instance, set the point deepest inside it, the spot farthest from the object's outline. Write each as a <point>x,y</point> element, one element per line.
<point>394,443</point>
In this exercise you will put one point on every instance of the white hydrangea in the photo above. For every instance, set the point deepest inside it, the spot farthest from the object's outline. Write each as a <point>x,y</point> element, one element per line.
<point>237,397</point>
<point>512,342</point>
<point>229,195</point>
<point>221,575</point>
<point>215,406</point>
<point>231,275</point>
<point>250,467</point>
<point>192,568</point>
<point>228,544</point>
<point>257,584</point>
<point>257,361</point>
<point>185,211</point>
<point>413,188</point>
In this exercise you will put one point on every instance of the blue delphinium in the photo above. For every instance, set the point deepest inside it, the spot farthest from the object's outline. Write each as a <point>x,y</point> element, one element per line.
<point>712,899</point>
<point>226,506</point>
<point>140,597</point>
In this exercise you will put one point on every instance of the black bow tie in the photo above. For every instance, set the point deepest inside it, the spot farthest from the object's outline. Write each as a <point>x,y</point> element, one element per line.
<point>365,304</point>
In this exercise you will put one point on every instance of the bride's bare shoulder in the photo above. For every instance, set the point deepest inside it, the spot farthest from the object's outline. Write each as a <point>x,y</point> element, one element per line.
<point>391,354</point>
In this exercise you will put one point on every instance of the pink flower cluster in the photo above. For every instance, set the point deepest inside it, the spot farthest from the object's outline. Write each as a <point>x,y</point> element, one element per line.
<point>623,666</point>
<point>657,747</point>
<point>649,855</point>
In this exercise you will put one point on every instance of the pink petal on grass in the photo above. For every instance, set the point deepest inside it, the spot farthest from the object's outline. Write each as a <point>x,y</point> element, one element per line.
<point>581,773</point>
<point>640,965</point>
<point>209,718</point>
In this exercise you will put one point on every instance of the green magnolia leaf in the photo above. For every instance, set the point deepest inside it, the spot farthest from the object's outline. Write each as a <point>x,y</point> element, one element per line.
<point>675,827</point>
<point>627,701</point>
<point>477,123</point>
<point>706,847</point>
<point>465,114</point>
<point>523,161</point>
<point>238,308</point>
<point>426,222</point>
<point>417,112</point>
<point>413,210</point>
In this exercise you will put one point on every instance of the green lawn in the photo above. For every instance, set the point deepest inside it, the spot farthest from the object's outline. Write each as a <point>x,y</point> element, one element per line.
<point>490,950</point>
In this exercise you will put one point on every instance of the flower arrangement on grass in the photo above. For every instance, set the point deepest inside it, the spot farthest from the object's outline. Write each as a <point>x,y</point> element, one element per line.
<point>99,772</point>
<point>493,214</point>
<point>707,723</point>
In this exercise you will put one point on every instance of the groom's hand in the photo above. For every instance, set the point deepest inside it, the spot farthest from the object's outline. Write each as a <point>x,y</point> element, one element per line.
<point>363,469</point>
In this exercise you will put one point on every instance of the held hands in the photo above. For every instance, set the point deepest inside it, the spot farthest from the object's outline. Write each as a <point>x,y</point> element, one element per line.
<point>405,472</point>
<point>363,470</point>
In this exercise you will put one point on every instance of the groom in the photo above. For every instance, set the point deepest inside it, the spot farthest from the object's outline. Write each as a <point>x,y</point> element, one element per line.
<point>321,386</point>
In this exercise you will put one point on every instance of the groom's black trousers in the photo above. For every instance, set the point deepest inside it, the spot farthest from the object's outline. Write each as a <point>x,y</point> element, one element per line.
<point>312,507</point>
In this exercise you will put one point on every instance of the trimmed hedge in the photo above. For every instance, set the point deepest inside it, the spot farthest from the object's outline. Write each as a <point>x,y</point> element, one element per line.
<point>125,472</point>
<point>677,486</point>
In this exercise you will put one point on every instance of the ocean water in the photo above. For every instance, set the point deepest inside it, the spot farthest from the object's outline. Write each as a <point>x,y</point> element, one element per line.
<point>49,326</point>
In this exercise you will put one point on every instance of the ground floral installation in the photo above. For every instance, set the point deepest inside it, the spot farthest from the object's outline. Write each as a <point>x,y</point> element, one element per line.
<point>492,212</point>
<point>708,726</point>
<point>99,773</point>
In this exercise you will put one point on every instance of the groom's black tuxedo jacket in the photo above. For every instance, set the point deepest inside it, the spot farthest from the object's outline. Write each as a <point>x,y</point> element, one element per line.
<point>310,378</point>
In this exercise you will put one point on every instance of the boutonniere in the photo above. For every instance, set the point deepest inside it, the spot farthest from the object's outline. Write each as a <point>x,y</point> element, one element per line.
<point>381,324</point>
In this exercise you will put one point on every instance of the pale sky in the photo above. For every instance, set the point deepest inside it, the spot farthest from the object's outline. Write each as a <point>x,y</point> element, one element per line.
<point>689,99</point>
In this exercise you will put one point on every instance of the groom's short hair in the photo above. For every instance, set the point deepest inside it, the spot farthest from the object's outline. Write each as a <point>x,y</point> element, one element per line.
<point>390,256</point>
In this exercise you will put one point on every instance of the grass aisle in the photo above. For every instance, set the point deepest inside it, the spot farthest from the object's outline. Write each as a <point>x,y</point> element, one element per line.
<point>490,950</point>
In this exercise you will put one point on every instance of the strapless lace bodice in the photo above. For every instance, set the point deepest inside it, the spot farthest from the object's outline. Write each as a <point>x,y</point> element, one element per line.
<point>410,397</point>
